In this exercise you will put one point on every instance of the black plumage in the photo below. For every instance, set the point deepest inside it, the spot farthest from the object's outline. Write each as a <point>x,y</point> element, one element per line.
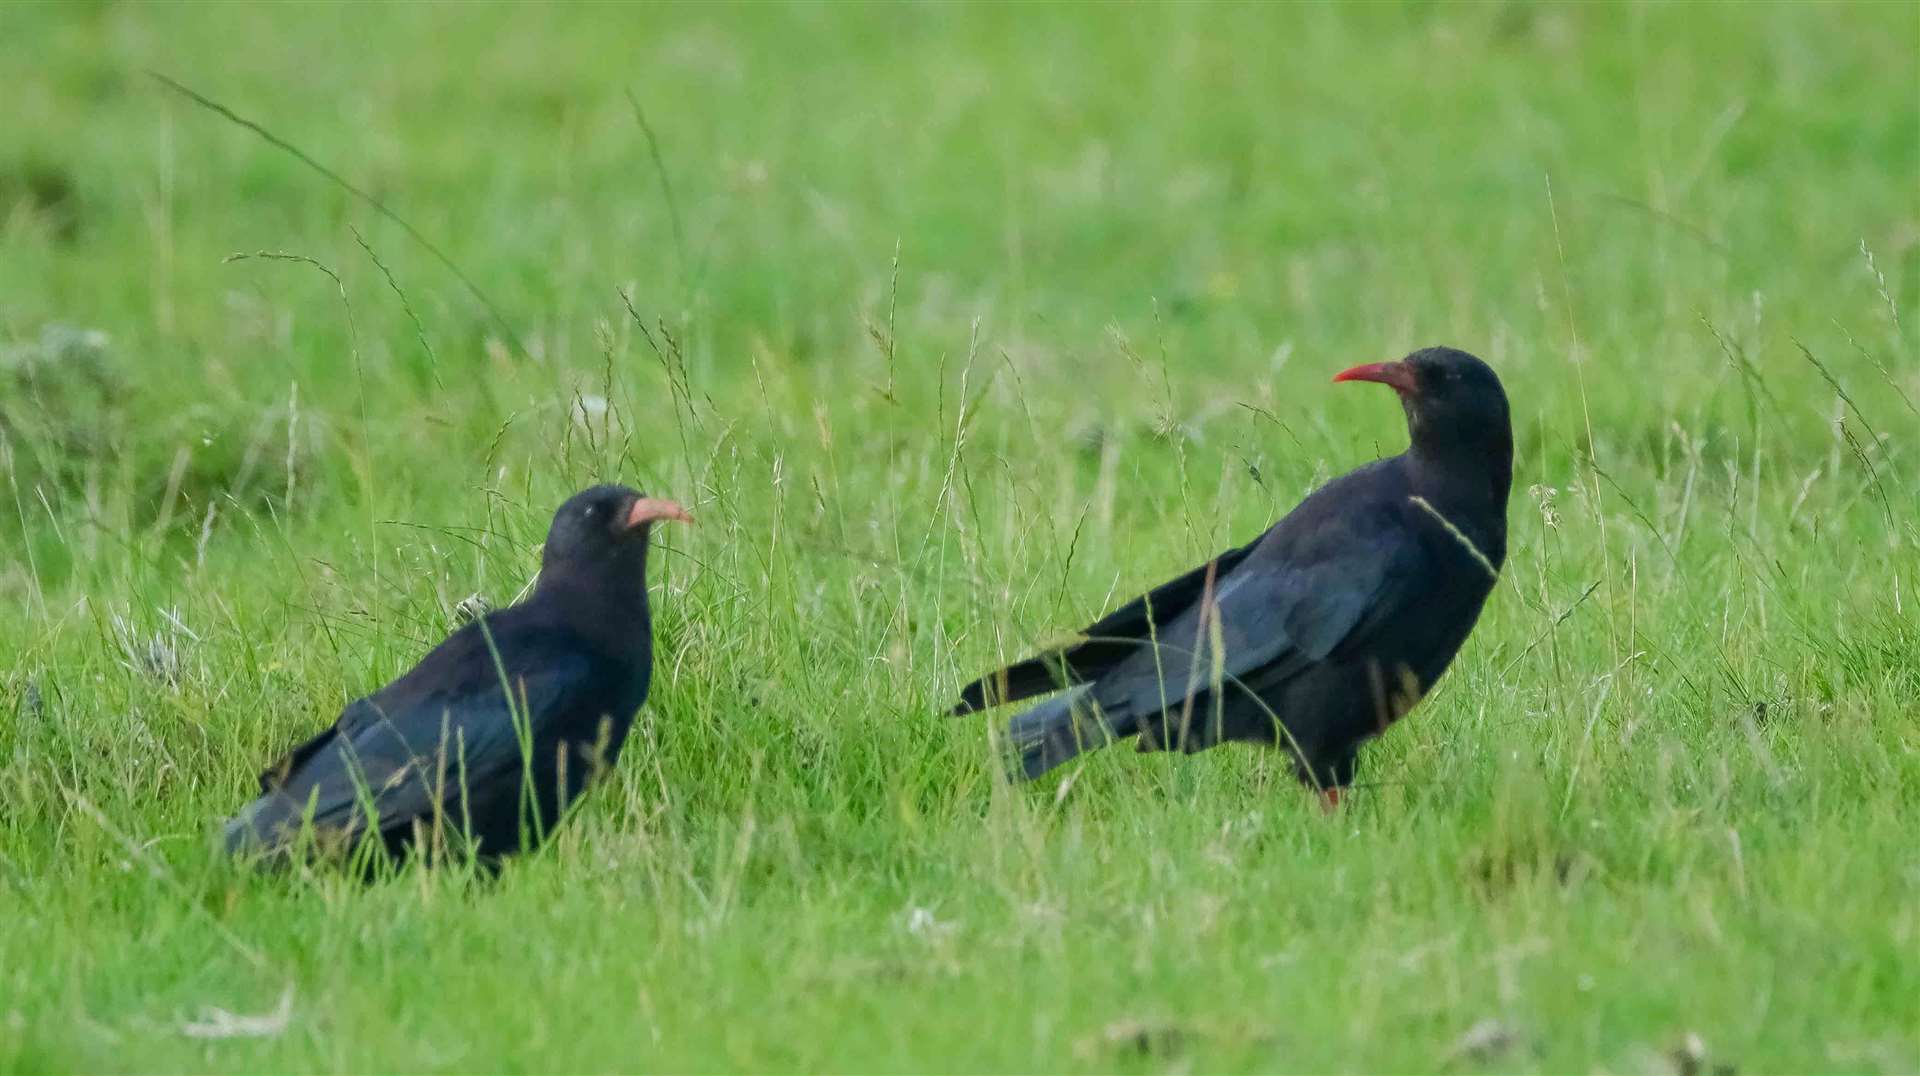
<point>485,743</point>
<point>1318,634</point>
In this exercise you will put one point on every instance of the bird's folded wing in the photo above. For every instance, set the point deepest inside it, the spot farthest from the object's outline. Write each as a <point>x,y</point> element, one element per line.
<point>429,757</point>
<point>358,715</point>
<point>1105,643</point>
<point>1273,618</point>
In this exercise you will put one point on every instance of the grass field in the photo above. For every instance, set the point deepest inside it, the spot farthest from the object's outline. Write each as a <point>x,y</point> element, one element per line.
<point>960,324</point>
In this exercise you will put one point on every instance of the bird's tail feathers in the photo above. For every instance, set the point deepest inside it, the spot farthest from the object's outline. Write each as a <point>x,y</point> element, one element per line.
<point>250,833</point>
<point>1061,728</point>
<point>276,829</point>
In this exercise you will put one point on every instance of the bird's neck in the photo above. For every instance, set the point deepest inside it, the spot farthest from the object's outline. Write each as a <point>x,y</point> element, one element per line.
<point>607,609</point>
<point>1463,469</point>
<point>1468,486</point>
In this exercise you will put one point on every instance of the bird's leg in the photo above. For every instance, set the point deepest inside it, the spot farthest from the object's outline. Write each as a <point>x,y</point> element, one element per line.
<point>1330,799</point>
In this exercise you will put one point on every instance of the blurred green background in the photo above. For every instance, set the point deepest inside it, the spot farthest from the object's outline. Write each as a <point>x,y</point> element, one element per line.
<point>960,324</point>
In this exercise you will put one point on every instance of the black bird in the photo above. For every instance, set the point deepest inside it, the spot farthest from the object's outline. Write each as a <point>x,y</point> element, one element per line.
<point>485,743</point>
<point>1318,634</point>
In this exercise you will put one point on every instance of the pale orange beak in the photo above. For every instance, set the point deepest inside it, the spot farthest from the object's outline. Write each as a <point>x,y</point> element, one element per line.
<point>1395,374</point>
<point>647,510</point>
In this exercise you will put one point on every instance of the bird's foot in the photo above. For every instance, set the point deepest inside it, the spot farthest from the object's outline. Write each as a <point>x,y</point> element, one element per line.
<point>1330,799</point>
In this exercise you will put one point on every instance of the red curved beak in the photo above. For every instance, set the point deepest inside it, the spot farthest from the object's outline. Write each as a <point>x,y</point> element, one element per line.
<point>647,510</point>
<point>1394,374</point>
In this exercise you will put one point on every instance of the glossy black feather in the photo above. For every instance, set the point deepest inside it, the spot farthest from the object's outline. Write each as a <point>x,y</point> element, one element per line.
<point>486,742</point>
<point>1109,640</point>
<point>1321,632</point>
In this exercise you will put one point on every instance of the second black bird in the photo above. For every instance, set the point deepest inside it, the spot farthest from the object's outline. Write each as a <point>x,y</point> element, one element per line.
<point>1318,634</point>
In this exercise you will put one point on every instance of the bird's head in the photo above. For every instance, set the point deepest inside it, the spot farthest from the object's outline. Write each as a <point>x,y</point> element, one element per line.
<point>1454,402</point>
<point>605,529</point>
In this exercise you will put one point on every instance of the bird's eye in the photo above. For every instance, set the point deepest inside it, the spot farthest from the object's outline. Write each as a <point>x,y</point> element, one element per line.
<point>587,511</point>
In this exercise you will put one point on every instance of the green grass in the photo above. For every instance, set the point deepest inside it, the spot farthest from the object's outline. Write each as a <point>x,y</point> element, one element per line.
<point>971,323</point>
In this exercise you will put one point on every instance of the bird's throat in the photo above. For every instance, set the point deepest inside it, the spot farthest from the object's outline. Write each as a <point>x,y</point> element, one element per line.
<point>607,607</point>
